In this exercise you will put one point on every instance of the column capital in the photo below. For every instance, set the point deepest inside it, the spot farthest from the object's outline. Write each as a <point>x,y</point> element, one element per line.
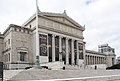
<point>53,35</point>
<point>67,38</point>
<point>60,36</point>
<point>73,40</point>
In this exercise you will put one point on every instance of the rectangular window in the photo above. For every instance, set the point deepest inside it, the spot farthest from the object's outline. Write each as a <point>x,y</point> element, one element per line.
<point>19,30</point>
<point>22,56</point>
<point>15,29</point>
<point>8,56</point>
<point>24,30</point>
<point>8,41</point>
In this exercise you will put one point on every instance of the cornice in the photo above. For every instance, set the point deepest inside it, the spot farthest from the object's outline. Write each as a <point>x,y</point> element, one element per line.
<point>94,52</point>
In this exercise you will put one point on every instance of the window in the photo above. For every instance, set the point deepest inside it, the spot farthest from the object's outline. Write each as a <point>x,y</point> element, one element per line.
<point>30,26</point>
<point>5,44</point>
<point>19,30</point>
<point>8,41</point>
<point>8,56</point>
<point>28,32</point>
<point>15,29</point>
<point>24,30</point>
<point>101,50</point>
<point>22,56</point>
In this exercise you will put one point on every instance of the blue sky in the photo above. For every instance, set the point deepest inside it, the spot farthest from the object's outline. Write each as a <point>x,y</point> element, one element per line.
<point>101,17</point>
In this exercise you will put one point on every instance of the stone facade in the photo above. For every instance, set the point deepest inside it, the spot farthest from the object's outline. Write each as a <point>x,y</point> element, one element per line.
<point>61,39</point>
<point>1,47</point>
<point>118,60</point>
<point>17,39</point>
<point>105,57</point>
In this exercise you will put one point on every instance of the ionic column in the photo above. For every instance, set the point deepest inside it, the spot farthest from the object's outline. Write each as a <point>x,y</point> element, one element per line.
<point>90,60</point>
<point>53,47</point>
<point>86,60</point>
<point>102,60</point>
<point>94,59</point>
<point>72,52</point>
<point>77,53</point>
<point>99,60</point>
<point>67,56</point>
<point>60,48</point>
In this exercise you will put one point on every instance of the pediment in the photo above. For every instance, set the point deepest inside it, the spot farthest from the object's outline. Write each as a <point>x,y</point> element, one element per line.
<point>63,19</point>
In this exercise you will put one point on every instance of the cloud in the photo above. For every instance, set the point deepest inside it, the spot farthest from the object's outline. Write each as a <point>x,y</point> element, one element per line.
<point>89,2</point>
<point>101,17</point>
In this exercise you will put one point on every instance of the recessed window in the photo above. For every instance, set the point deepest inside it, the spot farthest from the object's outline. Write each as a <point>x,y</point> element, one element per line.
<point>15,29</point>
<point>30,26</point>
<point>5,44</point>
<point>28,32</point>
<point>8,41</point>
<point>19,30</point>
<point>8,56</point>
<point>22,56</point>
<point>24,30</point>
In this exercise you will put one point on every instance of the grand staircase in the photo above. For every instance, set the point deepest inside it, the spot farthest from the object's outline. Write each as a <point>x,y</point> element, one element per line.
<point>37,74</point>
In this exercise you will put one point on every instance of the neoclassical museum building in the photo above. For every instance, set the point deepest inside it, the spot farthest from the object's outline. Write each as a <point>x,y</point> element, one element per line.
<point>60,44</point>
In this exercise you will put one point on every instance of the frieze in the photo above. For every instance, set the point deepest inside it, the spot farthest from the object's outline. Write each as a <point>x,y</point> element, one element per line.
<point>62,32</point>
<point>60,26</point>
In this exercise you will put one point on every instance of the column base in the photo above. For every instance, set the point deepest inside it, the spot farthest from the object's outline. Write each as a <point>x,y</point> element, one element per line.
<point>37,63</point>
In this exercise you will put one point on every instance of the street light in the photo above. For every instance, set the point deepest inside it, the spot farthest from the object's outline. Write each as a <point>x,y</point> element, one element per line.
<point>37,63</point>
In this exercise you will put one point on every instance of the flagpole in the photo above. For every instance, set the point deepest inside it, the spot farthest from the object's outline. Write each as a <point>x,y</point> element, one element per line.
<point>37,63</point>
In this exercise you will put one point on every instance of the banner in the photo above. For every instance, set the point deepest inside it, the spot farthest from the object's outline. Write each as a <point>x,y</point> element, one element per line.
<point>80,47</point>
<point>43,44</point>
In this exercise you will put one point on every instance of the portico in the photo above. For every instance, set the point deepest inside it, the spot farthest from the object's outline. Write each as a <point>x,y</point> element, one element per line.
<point>65,49</point>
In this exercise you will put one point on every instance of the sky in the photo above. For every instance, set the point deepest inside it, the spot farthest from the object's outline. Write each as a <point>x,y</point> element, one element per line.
<point>100,17</point>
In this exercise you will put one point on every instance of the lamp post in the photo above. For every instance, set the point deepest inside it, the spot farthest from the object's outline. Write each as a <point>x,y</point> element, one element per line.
<point>37,63</point>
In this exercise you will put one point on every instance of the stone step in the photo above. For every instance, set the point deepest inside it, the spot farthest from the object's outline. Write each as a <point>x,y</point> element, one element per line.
<point>36,74</point>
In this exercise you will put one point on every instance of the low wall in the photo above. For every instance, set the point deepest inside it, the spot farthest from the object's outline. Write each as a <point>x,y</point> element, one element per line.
<point>54,65</point>
<point>98,66</point>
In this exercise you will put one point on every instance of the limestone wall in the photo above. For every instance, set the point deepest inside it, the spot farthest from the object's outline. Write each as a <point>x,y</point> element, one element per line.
<point>110,60</point>
<point>21,40</point>
<point>99,66</point>
<point>1,48</point>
